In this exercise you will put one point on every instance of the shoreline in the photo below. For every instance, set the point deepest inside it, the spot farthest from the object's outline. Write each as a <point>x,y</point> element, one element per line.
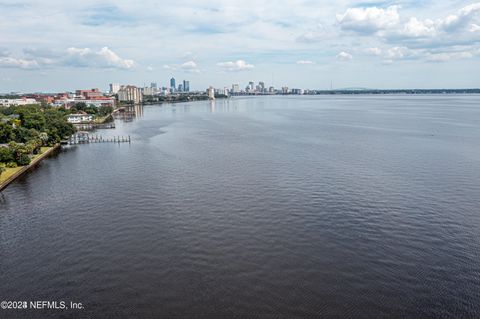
<point>26,168</point>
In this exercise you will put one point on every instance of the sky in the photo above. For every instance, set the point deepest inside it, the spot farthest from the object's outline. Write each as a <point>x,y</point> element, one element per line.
<point>58,45</point>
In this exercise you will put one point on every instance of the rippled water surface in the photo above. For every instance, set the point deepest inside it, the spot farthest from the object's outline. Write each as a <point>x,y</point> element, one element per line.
<point>273,207</point>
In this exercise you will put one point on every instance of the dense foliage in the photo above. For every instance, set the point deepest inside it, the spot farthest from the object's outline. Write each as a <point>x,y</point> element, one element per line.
<point>27,128</point>
<point>91,109</point>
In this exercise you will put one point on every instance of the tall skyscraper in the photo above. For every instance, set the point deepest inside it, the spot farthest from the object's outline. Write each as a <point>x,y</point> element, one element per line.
<point>130,93</point>
<point>186,86</point>
<point>180,87</point>
<point>211,93</point>
<point>153,85</point>
<point>114,88</point>
<point>173,84</point>
<point>261,86</point>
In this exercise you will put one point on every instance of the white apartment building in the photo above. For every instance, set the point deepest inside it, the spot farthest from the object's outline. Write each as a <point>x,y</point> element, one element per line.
<point>149,91</point>
<point>130,93</point>
<point>114,88</point>
<point>17,102</point>
<point>211,93</point>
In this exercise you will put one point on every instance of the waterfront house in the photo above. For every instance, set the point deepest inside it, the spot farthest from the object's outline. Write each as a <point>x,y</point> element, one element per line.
<point>79,118</point>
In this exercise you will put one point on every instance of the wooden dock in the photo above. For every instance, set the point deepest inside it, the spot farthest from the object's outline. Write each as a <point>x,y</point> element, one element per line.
<point>94,126</point>
<point>85,137</point>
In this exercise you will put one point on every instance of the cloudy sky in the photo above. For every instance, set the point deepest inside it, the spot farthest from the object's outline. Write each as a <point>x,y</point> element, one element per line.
<point>57,45</point>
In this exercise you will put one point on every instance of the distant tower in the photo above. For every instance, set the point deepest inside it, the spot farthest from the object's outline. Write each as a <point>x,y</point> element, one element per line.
<point>172,83</point>
<point>114,88</point>
<point>186,86</point>
<point>211,93</point>
<point>235,88</point>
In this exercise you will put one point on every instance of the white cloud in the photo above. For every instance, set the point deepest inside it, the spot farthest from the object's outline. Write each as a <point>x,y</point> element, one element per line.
<point>111,59</point>
<point>440,57</point>
<point>71,57</point>
<point>397,53</point>
<point>474,27</point>
<point>374,51</point>
<point>461,18</point>
<point>86,57</point>
<point>239,65</point>
<point>315,34</point>
<point>169,67</point>
<point>447,56</point>
<point>190,66</point>
<point>305,62</point>
<point>344,56</point>
<point>416,28</point>
<point>369,20</point>
<point>9,62</point>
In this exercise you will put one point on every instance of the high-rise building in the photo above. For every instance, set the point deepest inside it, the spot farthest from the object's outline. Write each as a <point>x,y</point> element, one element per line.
<point>223,91</point>
<point>186,86</point>
<point>130,93</point>
<point>180,87</point>
<point>235,88</point>
<point>153,85</point>
<point>173,84</point>
<point>114,87</point>
<point>89,94</point>
<point>211,93</point>
<point>251,85</point>
<point>149,91</point>
<point>261,86</point>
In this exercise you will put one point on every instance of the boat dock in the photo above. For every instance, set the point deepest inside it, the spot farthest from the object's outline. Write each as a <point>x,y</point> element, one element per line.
<point>85,137</point>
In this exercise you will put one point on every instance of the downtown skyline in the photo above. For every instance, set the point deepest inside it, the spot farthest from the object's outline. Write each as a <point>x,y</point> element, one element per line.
<point>56,46</point>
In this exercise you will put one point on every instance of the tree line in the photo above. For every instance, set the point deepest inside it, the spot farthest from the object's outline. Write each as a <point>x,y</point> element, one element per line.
<point>25,129</point>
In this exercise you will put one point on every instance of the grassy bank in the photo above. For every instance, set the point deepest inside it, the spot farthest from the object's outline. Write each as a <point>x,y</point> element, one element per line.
<point>102,119</point>
<point>11,173</point>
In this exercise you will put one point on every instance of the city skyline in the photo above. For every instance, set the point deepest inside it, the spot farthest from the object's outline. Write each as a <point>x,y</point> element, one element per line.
<point>312,44</point>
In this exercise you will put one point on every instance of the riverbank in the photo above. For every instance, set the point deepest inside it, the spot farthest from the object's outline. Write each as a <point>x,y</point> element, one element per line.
<point>103,119</point>
<point>12,174</point>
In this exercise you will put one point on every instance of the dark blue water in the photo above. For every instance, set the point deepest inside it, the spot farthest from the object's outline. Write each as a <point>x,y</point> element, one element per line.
<point>275,207</point>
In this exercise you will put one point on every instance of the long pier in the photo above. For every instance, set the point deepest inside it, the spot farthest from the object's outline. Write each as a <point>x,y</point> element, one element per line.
<point>84,137</point>
<point>94,126</point>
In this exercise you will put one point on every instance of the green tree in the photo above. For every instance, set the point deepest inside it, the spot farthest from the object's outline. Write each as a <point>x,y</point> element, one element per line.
<point>6,132</point>
<point>6,155</point>
<point>80,106</point>
<point>23,160</point>
<point>104,110</point>
<point>34,120</point>
<point>44,138</point>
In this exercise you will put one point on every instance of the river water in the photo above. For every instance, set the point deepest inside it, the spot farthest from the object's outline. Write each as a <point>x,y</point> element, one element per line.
<point>262,207</point>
